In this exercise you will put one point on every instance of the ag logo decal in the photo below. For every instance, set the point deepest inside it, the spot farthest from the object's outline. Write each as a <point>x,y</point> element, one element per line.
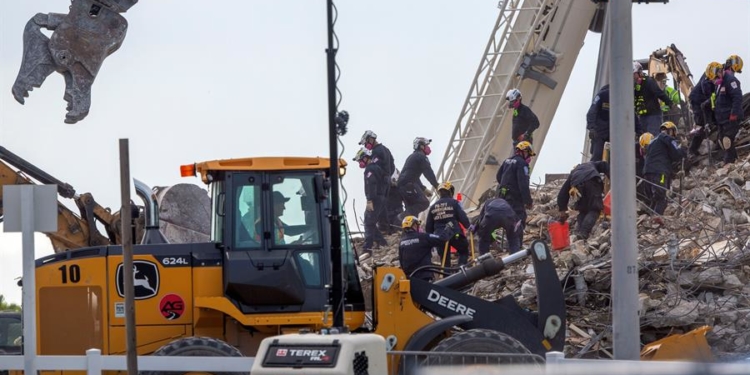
<point>145,279</point>
<point>172,306</point>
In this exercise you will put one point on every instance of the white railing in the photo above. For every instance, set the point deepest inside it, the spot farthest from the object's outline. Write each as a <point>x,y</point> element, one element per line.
<point>94,363</point>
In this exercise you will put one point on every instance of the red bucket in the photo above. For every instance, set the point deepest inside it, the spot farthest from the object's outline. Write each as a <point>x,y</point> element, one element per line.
<point>559,234</point>
<point>608,204</point>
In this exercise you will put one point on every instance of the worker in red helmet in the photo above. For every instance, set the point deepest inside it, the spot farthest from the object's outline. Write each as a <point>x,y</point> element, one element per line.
<point>524,119</point>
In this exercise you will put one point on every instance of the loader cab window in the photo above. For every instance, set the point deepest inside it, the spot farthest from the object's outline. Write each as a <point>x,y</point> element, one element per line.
<point>248,231</point>
<point>295,215</point>
<point>10,335</point>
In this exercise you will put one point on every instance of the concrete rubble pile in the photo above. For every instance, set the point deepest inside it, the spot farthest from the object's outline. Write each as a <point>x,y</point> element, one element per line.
<point>694,269</point>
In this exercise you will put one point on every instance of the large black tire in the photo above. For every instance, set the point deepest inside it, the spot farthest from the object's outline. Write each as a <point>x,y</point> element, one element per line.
<point>481,341</point>
<point>196,347</point>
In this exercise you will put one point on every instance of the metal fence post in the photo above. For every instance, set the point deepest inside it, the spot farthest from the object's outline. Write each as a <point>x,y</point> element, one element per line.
<point>94,362</point>
<point>554,360</point>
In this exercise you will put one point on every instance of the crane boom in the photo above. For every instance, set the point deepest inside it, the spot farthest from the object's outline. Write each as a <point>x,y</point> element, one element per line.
<point>533,47</point>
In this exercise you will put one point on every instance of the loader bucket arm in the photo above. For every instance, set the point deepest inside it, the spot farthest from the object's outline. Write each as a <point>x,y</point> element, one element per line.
<point>539,331</point>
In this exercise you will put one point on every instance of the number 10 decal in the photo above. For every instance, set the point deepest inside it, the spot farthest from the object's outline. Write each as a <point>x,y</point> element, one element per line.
<point>72,273</point>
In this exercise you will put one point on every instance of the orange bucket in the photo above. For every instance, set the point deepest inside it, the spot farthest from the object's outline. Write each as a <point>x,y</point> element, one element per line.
<point>559,234</point>
<point>608,204</point>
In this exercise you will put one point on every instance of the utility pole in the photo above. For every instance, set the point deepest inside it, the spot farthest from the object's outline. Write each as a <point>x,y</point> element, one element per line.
<point>337,292</point>
<point>127,258</point>
<point>625,322</point>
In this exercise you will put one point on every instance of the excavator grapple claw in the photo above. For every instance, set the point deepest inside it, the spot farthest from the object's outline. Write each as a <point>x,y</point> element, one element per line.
<point>80,41</point>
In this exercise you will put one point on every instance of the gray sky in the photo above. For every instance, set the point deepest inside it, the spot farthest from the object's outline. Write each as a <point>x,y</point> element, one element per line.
<point>195,82</point>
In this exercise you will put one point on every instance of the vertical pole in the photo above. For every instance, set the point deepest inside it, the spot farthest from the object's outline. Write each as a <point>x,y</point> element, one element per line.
<point>625,322</point>
<point>337,294</point>
<point>127,258</point>
<point>29,281</point>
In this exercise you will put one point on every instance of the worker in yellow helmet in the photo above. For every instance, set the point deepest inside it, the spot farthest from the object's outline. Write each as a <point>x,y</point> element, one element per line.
<point>415,249</point>
<point>733,65</point>
<point>513,182</point>
<point>641,147</point>
<point>447,210</point>
<point>663,153</point>
<point>728,107</point>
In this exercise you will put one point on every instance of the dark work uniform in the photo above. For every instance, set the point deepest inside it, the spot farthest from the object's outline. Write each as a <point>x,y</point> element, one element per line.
<point>524,124</point>
<point>513,185</point>
<point>661,156</point>
<point>394,207</point>
<point>586,178</point>
<point>703,114</point>
<point>497,213</point>
<point>415,250</point>
<point>597,123</point>
<point>409,185</point>
<point>376,183</point>
<point>728,102</point>
<point>448,210</point>
<point>382,156</point>
<point>647,106</point>
<point>641,188</point>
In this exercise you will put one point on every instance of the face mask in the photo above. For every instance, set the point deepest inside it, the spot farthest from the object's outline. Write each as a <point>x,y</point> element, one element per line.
<point>362,164</point>
<point>515,104</point>
<point>528,160</point>
<point>368,146</point>
<point>427,150</point>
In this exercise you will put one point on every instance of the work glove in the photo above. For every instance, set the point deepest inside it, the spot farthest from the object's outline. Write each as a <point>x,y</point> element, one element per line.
<point>370,206</point>
<point>733,117</point>
<point>563,217</point>
<point>428,193</point>
<point>592,134</point>
<point>472,228</point>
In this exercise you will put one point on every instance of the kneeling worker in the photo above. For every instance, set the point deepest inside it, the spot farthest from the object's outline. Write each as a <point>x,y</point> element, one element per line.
<point>415,248</point>
<point>497,213</point>
<point>585,186</point>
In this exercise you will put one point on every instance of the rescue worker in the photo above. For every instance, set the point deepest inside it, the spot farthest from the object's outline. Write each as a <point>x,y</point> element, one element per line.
<point>513,183</point>
<point>662,155</point>
<point>414,194</point>
<point>669,113</point>
<point>375,188</point>
<point>597,123</point>
<point>728,109</point>
<point>585,186</point>
<point>647,95</point>
<point>703,115</point>
<point>383,157</point>
<point>497,213</point>
<point>641,186</point>
<point>448,210</point>
<point>415,248</point>
<point>524,120</point>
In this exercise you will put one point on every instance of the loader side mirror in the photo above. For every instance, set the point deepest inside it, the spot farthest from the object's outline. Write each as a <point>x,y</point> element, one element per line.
<point>322,186</point>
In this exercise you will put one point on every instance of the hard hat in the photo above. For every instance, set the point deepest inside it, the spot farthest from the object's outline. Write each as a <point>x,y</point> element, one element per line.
<point>525,146</point>
<point>421,141</point>
<point>645,139</point>
<point>668,125</point>
<point>362,153</point>
<point>447,186</point>
<point>734,62</point>
<point>409,222</point>
<point>713,69</point>
<point>513,95</point>
<point>637,67</point>
<point>368,134</point>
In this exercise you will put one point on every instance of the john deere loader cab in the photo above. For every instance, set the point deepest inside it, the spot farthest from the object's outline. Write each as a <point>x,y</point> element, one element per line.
<point>272,221</point>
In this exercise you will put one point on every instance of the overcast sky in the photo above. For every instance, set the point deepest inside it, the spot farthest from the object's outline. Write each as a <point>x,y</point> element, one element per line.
<point>199,80</point>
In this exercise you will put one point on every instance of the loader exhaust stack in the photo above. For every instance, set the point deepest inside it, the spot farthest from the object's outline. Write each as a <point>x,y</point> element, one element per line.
<point>151,234</point>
